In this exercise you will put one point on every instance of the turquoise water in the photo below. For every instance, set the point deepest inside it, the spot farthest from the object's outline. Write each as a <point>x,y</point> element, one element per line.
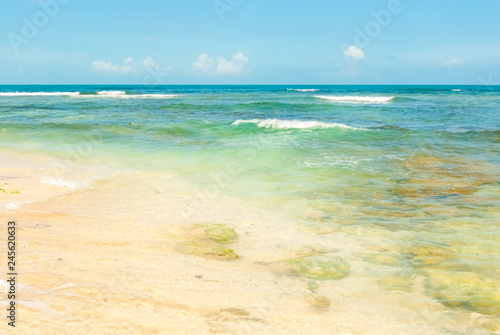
<point>412,173</point>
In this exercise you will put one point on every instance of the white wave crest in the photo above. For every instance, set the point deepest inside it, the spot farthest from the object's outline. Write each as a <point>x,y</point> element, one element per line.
<point>112,93</point>
<point>14,94</point>
<point>123,95</point>
<point>303,89</point>
<point>293,124</point>
<point>354,98</point>
<point>160,96</point>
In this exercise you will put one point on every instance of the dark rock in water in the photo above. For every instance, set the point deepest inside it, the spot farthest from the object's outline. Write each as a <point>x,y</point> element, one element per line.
<point>211,240</point>
<point>492,324</point>
<point>319,267</point>
<point>220,233</point>
<point>207,248</point>
<point>464,289</point>
<point>320,302</point>
<point>404,283</point>
<point>442,177</point>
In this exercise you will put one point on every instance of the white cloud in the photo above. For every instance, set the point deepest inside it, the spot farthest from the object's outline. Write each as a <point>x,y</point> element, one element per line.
<point>150,64</point>
<point>129,66</point>
<point>99,65</point>
<point>102,66</point>
<point>154,73</point>
<point>234,66</point>
<point>204,64</point>
<point>354,52</point>
<point>240,57</point>
<point>453,62</point>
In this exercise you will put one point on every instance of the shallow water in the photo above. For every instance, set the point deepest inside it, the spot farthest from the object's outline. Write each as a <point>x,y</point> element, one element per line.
<point>394,187</point>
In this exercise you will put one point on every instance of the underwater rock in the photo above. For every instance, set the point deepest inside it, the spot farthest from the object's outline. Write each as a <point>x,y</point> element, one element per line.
<point>492,324</point>
<point>396,282</point>
<point>383,258</point>
<point>320,302</point>
<point>433,188</point>
<point>312,286</point>
<point>407,191</point>
<point>428,161</point>
<point>465,289</point>
<point>431,176</point>
<point>395,212</point>
<point>211,240</point>
<point>428,255</point>
<point>220,233</point>
<point>207,248</point>
<point>319,267</point>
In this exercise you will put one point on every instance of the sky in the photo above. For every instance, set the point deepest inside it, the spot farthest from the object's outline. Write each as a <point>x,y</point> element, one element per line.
<point>163,42</point>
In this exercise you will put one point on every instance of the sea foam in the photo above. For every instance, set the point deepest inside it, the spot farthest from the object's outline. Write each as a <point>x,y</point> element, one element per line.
<point>55,181</point>
<point>166,96</point>
<point>14,205</point>
<point>14,94</point>
<point>293,124</point>
<point>303,89</point>
<point>101,94</point>
<point>124,95</point>
<point>111,93</point>
<point>354,98</point>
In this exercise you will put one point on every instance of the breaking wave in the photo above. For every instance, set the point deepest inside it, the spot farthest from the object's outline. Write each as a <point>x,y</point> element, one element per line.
<point>354,98</point>
<point>292,124</point>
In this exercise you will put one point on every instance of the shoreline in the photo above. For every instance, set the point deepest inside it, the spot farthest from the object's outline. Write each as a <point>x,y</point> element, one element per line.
<point>101,260</point>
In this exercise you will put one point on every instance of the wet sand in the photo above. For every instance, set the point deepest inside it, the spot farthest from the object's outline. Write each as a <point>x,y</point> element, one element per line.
<point>132,252</point>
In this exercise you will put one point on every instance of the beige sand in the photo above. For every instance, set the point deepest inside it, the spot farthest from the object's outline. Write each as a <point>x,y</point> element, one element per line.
<point>105,260</point>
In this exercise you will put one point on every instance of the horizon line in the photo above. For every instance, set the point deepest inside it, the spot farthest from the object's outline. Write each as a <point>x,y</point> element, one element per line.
<point>249,85</point>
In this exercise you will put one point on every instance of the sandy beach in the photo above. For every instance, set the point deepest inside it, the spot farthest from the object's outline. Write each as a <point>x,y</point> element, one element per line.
<point>97,261</point>
<point>233,167</point>
<point>250,210</point>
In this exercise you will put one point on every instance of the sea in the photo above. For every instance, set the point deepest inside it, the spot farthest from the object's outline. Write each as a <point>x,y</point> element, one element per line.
<point>399,183</point>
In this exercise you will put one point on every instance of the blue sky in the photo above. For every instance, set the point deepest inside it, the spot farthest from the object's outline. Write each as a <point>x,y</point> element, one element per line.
<point>250,42</point>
